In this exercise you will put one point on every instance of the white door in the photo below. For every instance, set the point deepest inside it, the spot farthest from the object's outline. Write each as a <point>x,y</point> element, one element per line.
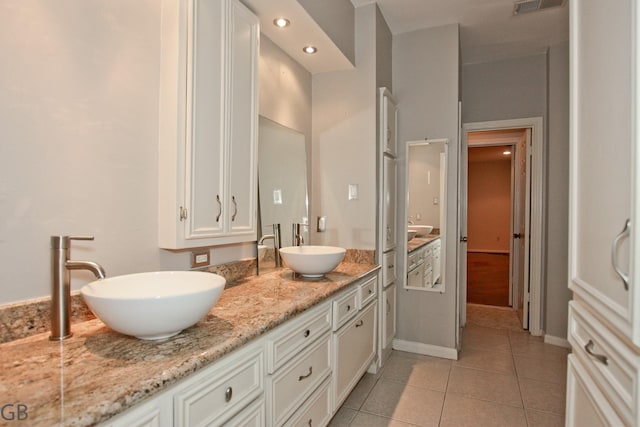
<point>604,139</point>
<point>520,237</point>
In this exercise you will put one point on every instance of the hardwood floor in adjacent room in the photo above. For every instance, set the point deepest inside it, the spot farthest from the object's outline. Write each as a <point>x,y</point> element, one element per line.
<point>488,278</point>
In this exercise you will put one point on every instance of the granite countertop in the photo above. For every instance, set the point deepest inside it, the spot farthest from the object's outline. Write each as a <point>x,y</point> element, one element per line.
<point>98,373</point>
<point>418,242</point>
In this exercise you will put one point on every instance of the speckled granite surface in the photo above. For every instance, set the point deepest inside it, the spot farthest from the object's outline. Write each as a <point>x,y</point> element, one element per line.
<point>98,373</point>
<point>418,242</point>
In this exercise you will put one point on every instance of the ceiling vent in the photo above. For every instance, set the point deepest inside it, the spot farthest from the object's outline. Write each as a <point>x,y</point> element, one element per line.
<point>534,5</point>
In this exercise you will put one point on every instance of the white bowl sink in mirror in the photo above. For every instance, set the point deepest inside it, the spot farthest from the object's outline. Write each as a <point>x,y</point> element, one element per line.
<point>262,251</point>
<point>154,305</point>
<point>421,230</point>
<point>312,261</point>
<point>411,234</point>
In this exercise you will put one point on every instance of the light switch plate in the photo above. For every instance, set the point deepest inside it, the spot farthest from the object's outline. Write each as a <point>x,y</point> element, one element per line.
<point>353,191</point>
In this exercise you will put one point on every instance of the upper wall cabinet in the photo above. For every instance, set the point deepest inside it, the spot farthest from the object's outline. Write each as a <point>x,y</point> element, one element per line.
<point>208,123</point>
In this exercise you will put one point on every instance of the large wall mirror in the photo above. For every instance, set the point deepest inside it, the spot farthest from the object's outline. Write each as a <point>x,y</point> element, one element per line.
<point>426,214</point>
<point>282,187</point>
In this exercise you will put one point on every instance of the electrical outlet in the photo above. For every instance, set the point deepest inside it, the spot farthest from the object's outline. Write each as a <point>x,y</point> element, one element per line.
<point>199,259</point>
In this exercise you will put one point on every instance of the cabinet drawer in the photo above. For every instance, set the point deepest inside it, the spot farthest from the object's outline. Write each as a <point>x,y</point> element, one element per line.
<point>414,258</point>
<point>220,393</point>
<point>316,411</point>
<point>389,268</point>
<point>355,348</point>
<point>586,405</point>
<point>288,341</point>
<point>292,384</point>
<point>367,292</point>
<point>344,308</point>
<point>611,363</point>
<point>251,416</point>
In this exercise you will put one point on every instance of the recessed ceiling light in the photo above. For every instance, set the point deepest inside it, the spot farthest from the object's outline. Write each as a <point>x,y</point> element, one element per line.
<point>281,22</point>
<point>310,49</point>
<point>506,153</point>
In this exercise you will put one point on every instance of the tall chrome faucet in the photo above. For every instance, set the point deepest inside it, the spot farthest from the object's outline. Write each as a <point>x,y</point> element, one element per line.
<point>61,283</point>
<point>297,234</point>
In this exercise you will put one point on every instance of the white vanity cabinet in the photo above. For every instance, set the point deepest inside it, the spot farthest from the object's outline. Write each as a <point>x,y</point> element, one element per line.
<point>208,123</point>
<point>604,248</point>
<point>354,341</point>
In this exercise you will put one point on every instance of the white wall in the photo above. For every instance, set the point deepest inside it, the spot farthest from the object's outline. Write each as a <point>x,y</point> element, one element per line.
<point>78,150</point>
<point>344,144</point>
<point>425,81</point>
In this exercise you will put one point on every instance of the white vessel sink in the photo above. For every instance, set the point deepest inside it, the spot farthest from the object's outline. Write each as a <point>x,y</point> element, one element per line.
<point>312,261</point>
<point>262,251</point>
<point>156,305</point>
<point>422,230</point>
<point>411,234</point>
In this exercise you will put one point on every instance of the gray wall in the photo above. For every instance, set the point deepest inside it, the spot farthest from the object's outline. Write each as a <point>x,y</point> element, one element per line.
<point>336,18</point>
<point>384,49</point>
<point>557,292</point>
<point>425,81</point>
<point>526,87</point>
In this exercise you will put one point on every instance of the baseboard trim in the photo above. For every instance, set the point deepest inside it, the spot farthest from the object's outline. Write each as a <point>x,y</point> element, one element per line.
<point>425,349</point>
<point>560,342</point>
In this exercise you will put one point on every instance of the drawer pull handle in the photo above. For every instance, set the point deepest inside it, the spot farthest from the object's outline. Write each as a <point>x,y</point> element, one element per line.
<point>390,266</point>
<point>228,394</point>
<point>588,347</point>
<point>348,308</point>
<point>614,259</point>
<point>307,375</point>
<point>219,208</point>
<point>310,422</point>
<point>360,323</point>
<point>370,291</point>
<point>235,208</point>
<point>307,333</point>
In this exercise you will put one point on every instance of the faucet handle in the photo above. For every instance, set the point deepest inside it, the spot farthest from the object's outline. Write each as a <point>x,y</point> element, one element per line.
<point>64,242</point>
<point>80,237</point>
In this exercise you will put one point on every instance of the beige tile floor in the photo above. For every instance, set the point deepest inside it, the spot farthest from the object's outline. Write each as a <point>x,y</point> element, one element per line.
<point>504,377</point>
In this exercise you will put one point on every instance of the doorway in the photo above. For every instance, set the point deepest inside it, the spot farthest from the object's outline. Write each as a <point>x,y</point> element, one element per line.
<point>490,205</point>
<point>527,224</point>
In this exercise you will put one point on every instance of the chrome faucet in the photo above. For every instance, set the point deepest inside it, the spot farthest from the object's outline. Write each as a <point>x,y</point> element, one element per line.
<point>61,283</point>
<point>297,236</point>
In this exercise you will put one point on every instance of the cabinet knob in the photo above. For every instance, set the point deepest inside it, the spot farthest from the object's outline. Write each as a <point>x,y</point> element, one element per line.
<point>228,394</point>
<point>306,333</point>
<point>348,308</point>
<point>360,323</point>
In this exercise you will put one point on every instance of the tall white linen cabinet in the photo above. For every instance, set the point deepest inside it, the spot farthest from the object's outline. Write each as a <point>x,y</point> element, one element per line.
<point>387,211</point>
<point>604,248</point>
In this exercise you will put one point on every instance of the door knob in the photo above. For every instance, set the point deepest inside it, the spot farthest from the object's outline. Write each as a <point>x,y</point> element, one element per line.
<point>517,235</point>
<point>463,239</point>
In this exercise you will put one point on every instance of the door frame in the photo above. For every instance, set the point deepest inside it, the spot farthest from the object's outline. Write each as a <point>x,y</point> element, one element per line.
<point>536,213</point>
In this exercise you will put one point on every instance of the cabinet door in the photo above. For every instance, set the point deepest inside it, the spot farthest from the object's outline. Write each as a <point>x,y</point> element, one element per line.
<point>355,348</point>
<point>389,195</point>
<point>390,119</point>
<point>241,137</point>
<point>204,195</point>
<point>389,320</point>
<point>603,169</point>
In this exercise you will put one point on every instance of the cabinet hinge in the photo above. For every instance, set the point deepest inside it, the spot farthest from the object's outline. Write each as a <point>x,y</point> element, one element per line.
<point>183,213</point>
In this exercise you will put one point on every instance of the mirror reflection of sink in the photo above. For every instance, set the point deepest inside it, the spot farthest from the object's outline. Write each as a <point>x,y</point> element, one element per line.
<point>411,234</point>
<point>155,305</point>
<point>262,251</point>
<point>421,230</point>
<point>312,261</point>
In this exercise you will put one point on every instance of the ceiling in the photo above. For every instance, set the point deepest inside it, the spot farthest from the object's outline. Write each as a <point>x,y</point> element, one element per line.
<point>488,28</point>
